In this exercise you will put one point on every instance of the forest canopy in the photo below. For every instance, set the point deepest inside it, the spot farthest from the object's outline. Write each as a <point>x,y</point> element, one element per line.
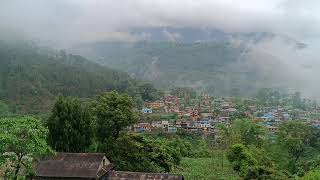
<point>32,76</point>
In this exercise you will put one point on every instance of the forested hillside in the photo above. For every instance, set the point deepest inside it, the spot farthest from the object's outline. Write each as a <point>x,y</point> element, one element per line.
<point>32,76</point>
<point>218,67</point>
<point>223,64</point>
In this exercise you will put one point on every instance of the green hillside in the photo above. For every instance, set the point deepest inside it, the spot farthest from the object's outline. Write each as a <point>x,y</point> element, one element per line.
<point>219,67</point>
<point>32,76</point>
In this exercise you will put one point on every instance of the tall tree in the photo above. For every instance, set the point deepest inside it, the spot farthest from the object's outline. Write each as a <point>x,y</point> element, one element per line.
<point>298,140</point>
<point>240,157</point>
<point>253,163</point>
<point>113,113</point>
<point>22,140</point>
<point>136,153</point>
<point>247,132</point>
<point>148,92</point>
<point>70,126</point>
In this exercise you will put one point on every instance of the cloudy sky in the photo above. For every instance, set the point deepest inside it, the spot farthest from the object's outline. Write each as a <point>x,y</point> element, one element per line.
<point>89,20</point>
<point>65,23</point>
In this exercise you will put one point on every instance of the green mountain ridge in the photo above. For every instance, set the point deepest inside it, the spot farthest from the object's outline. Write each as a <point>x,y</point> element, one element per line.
<point>32,76</point>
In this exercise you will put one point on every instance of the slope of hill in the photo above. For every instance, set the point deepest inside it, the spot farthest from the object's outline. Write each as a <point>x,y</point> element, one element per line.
<point>32,76</point>
<point>194,35</point>
<point>218,68</point>
<point>207,60</point>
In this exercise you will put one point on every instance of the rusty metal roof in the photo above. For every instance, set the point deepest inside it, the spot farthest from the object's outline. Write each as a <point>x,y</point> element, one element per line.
<point>124,175</point>
<point>81,165</point>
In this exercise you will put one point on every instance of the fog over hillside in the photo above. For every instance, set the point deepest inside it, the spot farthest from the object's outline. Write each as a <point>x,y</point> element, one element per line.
<point>277,38</point>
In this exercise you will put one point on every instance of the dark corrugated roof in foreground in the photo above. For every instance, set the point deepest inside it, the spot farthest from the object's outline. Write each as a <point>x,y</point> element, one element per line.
<point>71,165</point>
<point>124,175</point>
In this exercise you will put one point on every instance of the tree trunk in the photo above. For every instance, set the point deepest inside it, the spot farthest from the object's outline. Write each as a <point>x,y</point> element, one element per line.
<point>15,177</point>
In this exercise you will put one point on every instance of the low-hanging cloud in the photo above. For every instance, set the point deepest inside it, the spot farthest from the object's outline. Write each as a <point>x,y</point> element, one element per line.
<point>69,22</point>
<point>76,21</point>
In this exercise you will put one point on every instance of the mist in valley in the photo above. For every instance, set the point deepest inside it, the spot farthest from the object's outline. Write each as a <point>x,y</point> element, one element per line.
<point>285,56</point>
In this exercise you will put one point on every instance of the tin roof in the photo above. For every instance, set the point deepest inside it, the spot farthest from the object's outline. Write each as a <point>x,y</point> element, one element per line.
<point>124,175</point>
<point>76,165</point>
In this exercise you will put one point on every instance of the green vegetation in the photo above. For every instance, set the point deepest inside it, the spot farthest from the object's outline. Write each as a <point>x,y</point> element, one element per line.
<point>22,141</point>
<point>271,97</point>
<point>246,132</point>
<point>34,80</point>
<point>243,151</point>
<point>205,168</point>
<point>4,110</point>
<point>101,127</point>
<point>255,154</point>
<point>300,143</point>
<point>113,112</point>
<point>312,175</point>
<point>69,126</point>
<point>159,116</point>
<point>31,77</point>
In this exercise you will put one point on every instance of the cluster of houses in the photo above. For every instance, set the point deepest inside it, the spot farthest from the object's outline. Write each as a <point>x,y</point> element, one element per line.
<point>205,125</point>
<point>204,113</point>
<point>273,117</point>
<point>192,116</point>
<point>173,104</point>
<point>314,123</point>
<point>196,115</point>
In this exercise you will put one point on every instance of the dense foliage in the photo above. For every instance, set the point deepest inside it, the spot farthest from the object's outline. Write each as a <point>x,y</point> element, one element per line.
<point>255,154</point>
<point>113,112</point>
<point>69,125</point>
<point>100,126</point>
<point>31,77</point>
<point>4,110</point>
<point>245,150</point>
<point>301,143</point>
<point>272,97</point>
<point>22,140</point>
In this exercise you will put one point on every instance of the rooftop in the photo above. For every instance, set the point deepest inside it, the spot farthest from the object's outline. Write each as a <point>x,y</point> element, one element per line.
<point>124,175</point>
<point>73,165</point>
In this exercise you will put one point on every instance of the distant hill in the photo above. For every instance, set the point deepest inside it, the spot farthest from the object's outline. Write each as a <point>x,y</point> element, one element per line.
<point>196,35</point>
<point>212,61</point>
<point>31,77</point>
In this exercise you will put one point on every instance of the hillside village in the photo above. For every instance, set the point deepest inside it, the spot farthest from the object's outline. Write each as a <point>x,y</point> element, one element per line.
<point>159,90</point>
<point>204,113</point>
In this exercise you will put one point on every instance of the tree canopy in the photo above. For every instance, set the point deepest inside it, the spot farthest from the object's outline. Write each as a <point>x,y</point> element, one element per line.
<point>113,112</point>
<point>32,76</point>
<point>22,140</point>
<point>70,126</point>
<point>300,142</point>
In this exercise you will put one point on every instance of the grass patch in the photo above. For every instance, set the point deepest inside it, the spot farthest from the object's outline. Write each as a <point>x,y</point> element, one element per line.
<point>205,168</point>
